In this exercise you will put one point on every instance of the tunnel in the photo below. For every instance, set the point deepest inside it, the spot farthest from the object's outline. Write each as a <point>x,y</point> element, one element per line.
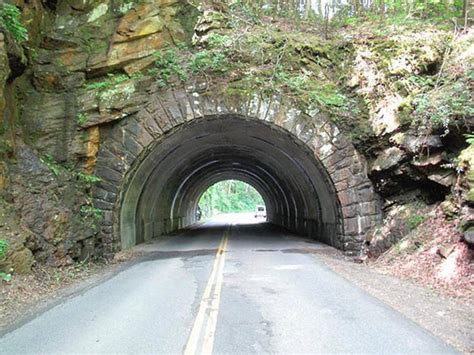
<point>164,187</point>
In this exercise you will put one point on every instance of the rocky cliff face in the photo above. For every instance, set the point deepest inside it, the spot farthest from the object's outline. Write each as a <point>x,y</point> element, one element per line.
<point>404,96</point>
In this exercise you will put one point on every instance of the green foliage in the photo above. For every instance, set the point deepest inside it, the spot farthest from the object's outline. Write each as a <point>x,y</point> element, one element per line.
<point>342,12</point>
<point>166,66</point>
<point>414,220</point>
<point>88,178</point>
<point>82,118</point>
<point>52,164</point>
<point>3,248</point>
<point>443,107</point>
<point>312,92</point>
<point>57,169</point>
<point>469,138</point>
<point>91,216</point>
<point>204,61</point>
<point>217,40</point>
<point>126,7</point>
<point>3,252</point>
<point>10,21</point>
<point>229,196</point>
<point>173,63</point>
<point>87,210</point>
<point>111,81</point>
<point>7,277</point>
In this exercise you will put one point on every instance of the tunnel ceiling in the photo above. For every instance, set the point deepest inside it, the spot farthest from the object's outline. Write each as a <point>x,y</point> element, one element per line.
<point>156,164</point>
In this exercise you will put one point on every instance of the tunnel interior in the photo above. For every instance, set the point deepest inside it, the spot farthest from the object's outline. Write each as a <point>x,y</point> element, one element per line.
<point>163,190</point>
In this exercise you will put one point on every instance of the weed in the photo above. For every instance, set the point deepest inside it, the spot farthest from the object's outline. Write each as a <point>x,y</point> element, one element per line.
<point>469,138</point>
<point>3,248</point>
<point>167,65</point>
<point>7,277</point>
<point>91,215</point>
<point>205,60</point>
<point>108,83</point>
<point>3,252</point>
<point>54,166</point>
<point>442,108</point>
<point>216,40</point>
<point>415,220</point>
<point>82,118</point>
<point>10,21</point>
<point>88,179</point>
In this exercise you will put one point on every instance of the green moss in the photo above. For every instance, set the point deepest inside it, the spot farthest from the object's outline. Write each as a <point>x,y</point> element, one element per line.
<point>10,22</point>
<point>108,83</point>
<point>415,220</point>
<point>82,118</point>
<point>166,66</point>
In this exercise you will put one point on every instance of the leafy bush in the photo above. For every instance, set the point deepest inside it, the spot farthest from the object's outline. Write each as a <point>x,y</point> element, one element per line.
<point>167,64</point>
<point>10,21</point>
<point>206,60</point>
<point>443,107</point>
<point>216,40</point>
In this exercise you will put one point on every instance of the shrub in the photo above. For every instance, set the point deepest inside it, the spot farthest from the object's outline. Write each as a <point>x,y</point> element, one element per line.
<point>10,21</point>
<point>167,64</point>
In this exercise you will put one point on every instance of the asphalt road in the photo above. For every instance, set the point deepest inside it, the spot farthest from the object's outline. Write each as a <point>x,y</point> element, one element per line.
<point>224,289</point>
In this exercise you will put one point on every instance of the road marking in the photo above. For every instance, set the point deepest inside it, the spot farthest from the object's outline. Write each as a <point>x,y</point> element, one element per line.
<point>214,309</point>
<point>211,302</point>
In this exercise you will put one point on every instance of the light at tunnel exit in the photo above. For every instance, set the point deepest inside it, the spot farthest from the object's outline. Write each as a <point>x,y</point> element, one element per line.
<point>232,201</point>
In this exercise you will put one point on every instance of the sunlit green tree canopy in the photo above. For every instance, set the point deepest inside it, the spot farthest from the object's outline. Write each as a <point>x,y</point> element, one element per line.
<point>229,196</point>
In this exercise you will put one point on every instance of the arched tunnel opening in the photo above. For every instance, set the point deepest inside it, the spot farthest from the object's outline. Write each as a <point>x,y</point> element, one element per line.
<point>163,190</point>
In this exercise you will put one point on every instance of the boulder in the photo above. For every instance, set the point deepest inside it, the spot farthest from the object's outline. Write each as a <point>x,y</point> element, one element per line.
<point>22,261</point>
<point>468,237</point>
<point>443,177</point>
<point>415,144</point>
<point>389,158</point>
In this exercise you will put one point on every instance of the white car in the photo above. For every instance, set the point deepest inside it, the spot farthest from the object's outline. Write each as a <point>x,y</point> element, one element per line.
<point>260,212</point>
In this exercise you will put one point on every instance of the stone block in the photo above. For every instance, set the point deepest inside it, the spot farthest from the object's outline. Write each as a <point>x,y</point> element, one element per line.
<point>103,205</point>
<point>108,174</point>
<point>170,105</point>
<point>131,145</point>
<point>139,132</point>
<point>149,123</point>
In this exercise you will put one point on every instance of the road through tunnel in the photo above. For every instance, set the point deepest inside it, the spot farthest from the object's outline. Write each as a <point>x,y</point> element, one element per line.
<point>154,171</point>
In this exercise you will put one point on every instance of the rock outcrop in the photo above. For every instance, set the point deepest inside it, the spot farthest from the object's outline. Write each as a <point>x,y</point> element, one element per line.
<point>404,100</point>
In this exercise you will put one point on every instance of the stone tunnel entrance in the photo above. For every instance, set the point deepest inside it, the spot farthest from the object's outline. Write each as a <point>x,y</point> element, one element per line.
<point>163,194</point>
<point>156,163</point>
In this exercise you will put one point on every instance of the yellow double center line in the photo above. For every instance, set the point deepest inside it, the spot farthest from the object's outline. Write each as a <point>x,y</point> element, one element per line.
<point>209,305</point>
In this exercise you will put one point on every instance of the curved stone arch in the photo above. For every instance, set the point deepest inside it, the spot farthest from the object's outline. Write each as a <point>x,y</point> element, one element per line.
<point>128,143</point>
